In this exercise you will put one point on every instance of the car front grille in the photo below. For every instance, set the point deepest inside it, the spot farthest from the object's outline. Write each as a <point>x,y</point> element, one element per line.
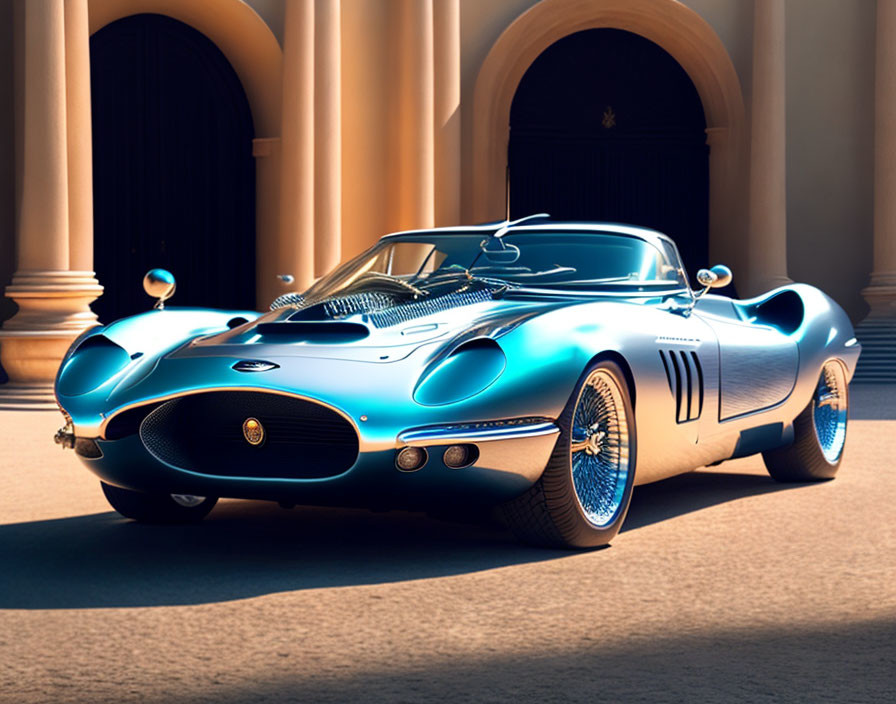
<point>204,433</point>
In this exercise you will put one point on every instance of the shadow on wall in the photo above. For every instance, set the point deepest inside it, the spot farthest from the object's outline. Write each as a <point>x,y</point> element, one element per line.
<point>246,549</point>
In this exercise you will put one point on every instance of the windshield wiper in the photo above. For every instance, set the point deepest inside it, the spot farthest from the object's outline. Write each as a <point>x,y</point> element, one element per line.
<point>463,280</point>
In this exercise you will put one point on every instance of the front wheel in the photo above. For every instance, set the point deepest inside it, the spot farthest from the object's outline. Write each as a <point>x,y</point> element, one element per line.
<point>581,499</point>
<point>158,508</point>
<point>819,433</point>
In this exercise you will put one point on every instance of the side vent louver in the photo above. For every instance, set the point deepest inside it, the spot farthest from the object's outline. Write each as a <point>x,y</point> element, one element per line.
<point>685,377</point>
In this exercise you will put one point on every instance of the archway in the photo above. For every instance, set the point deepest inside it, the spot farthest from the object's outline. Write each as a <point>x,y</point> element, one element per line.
<point>679,31</point>
<point>174,175</point>
<point>254,53</point>
<point>605,125</point>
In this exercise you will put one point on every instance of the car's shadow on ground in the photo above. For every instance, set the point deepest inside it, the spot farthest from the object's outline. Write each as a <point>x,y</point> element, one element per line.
<point>246,549</point>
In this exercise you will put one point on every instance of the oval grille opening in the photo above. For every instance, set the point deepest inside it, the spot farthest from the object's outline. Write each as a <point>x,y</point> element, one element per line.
<point>204,433</point>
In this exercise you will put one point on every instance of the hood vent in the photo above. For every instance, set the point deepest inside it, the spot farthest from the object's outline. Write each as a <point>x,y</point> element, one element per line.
<point>428,306</point>
<point>384,310</point>
<point>322,333</point>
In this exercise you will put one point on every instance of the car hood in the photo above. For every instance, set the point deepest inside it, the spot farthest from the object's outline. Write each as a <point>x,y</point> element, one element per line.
<point>386,335</point>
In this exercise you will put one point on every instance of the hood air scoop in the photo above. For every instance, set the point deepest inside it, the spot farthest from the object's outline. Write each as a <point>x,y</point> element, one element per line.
<point>319,332</point>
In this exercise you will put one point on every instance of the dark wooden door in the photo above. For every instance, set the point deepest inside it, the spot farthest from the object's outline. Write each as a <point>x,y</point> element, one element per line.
<point>173,172</point>
<point>606,125</point>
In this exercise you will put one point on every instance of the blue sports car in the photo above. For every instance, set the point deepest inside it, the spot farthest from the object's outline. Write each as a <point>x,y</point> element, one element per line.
<point>537,367</point>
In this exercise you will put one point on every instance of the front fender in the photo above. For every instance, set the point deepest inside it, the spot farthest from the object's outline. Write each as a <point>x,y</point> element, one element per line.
<point>546,356</point>
<point>89,374</point>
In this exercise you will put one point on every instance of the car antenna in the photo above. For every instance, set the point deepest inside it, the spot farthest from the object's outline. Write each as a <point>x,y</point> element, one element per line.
<point>507,224</point>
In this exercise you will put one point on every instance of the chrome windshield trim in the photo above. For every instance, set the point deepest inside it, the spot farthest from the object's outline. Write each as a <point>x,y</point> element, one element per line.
<point>448,434</point>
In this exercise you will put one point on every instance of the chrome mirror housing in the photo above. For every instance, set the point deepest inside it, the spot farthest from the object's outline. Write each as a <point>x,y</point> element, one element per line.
<point>160,284</point>
<point>716,277</point>
<point>497,251</point>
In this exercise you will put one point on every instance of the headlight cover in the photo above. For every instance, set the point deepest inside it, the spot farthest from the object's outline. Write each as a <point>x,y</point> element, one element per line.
<point>91,364</point>
<point>468,370</point>
<point>78,341</point>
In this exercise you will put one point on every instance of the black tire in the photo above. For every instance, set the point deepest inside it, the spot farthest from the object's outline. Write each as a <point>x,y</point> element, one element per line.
<point>551,513</point>
<point>819,433</point>
<point>155,508</point>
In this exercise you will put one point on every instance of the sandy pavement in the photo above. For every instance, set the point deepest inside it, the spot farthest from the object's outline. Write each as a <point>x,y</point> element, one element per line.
<point>724,586</point>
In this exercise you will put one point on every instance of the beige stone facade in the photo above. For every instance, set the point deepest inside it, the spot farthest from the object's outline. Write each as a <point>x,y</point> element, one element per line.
<point>377,115</point>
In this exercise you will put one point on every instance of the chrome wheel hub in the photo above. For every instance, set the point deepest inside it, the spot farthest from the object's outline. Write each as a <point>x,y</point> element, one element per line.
<point>599,448</point>
<point>187,500</point>
<point>830,411</point>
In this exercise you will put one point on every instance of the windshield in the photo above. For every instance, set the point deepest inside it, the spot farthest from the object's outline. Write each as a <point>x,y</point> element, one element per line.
<point>557,260</point>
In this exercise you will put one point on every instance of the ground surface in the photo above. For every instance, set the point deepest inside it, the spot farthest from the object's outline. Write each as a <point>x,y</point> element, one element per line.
<point>724,586</point>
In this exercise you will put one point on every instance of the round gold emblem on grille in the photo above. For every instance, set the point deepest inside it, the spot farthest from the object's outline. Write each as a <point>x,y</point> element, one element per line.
<point>253,431</point>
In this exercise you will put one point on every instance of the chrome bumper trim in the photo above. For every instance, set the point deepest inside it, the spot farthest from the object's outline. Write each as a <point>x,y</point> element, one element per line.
<point>475,433</point>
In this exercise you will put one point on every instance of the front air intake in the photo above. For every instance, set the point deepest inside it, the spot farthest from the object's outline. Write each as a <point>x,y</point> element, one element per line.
<point>206,433</point>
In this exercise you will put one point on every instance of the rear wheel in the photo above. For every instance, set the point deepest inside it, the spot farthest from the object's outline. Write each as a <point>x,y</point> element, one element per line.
<point>581,499</point>
<point>158,508</point>
<point>819,433</point>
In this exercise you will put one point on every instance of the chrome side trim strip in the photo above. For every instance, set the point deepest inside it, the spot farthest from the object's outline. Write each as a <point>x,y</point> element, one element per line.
<point>449,434</point>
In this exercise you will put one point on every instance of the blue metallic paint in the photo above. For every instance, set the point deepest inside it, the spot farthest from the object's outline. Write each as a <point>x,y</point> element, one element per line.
<point>400,378</point>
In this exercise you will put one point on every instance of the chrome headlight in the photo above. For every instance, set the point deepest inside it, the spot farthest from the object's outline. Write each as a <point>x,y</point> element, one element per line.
<point>78,341</point>
<point>90,364</point>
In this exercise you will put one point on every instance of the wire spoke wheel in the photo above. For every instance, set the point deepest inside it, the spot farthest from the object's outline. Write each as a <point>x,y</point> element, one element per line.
<point>819,432</point>
<point>829,411</point>
<point>599,448</point>
<point>582,497</point>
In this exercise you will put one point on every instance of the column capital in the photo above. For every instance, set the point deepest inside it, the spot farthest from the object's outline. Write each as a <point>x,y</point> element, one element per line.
<point>716,135</point>
<point>265,146</point>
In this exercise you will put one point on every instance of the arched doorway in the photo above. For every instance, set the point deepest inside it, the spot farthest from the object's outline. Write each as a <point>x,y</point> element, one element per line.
<point>174,175</point>
<point>679,30</point>
<point>606,125</point>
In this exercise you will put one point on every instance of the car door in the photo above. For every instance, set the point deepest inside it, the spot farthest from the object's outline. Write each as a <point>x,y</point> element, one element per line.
<point>675,356</point>
<point>689,355</point>
<point>757,363</point>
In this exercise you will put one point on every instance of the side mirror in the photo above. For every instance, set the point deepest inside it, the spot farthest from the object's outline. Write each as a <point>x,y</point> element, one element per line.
<point>720,275</point>
<point>160,284</point>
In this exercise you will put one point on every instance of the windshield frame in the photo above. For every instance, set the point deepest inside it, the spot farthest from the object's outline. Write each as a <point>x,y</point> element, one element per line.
<point>659,241</point>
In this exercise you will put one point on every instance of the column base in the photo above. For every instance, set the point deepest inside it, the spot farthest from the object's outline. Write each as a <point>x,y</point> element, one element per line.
<point>877,333</point>
<point>27,397</point>
<point>881,298</point>
<point>54,308</point>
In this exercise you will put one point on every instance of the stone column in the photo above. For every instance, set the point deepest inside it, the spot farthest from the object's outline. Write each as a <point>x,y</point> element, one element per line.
<point>266,151</point>
<point>53,300</point>
<point>414,117</point>
<point>767,255</point>
<point>327,137</point>
<point>719,210</point>
<point>78,135</point>
<point>446,50</point>
<point>881,290</point>
<point>877,332</point>
<point>295,254</point>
